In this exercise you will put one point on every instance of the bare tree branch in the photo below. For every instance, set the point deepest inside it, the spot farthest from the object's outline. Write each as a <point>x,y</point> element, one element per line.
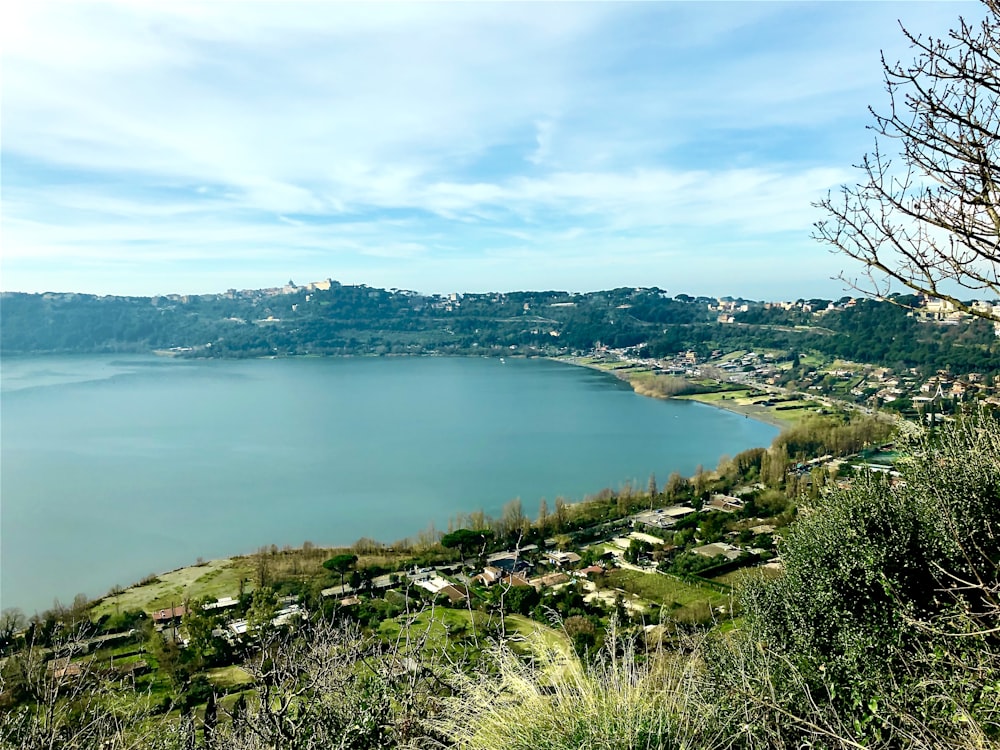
<point>928,218</point>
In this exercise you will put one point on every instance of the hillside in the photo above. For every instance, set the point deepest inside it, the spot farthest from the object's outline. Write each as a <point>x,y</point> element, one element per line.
<point>329,318</point>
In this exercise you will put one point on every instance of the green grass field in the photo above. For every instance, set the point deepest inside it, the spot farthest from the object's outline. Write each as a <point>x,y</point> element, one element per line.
<point>229,678</point>
<point>685,602</point>
<point>214,579</point>
<point>737,396</point>
<point>436,627</point>
<point>531,630</point>
<point>735,577</point>
<point>742,403</point>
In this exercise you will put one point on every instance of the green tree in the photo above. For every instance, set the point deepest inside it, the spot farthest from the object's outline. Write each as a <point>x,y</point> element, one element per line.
<point>341,564</point>
<point>907,572</point>
<point>203,646</point>
<point>466,539</point>
<point>263,608</point>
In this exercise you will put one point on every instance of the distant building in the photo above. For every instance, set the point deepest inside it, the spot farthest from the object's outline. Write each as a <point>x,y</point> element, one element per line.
<point>164,616</point>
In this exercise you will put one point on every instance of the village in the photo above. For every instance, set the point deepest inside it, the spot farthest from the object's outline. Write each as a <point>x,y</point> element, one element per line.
<point>820,382</point>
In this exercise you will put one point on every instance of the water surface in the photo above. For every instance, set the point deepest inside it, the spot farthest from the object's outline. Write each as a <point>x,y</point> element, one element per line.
<point>114,467</point>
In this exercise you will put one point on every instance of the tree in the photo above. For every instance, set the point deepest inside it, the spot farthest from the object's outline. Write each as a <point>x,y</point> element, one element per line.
<point>512,519</point>
<point>201,625</point>
<point>543,517</point>
<point>676,485</point>
<point>314,690</point>
<point>888,609</point>
<point>700,481</point>
<point>263,608</point>
<point>562,514</point>
<point>930,222</point>
<point>341,564</point>
<point>12,620</point>
<point>466,539</point>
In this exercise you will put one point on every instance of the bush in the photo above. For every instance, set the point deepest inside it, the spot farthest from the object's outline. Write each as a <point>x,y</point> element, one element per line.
<point>883,629</point>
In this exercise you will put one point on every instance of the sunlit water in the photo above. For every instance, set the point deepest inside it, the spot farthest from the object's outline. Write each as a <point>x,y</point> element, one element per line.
<point>115,467</point>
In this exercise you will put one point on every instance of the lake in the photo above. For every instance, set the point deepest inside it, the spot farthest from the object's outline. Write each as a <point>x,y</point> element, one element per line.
<point>114,467</point>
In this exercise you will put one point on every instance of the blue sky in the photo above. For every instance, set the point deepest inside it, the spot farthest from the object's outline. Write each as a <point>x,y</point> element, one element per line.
<point>193,147</point>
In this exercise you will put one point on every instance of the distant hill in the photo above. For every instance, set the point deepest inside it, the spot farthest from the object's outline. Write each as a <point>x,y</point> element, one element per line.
<point>328,318</point>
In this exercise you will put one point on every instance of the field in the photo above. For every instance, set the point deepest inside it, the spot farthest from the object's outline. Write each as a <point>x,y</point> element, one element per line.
<point>735,577</point>
<point>214,578</point>
<point>741,403</point>
<point>684,602</point>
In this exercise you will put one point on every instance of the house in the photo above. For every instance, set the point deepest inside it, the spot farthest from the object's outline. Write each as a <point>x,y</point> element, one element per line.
<point>549,580</point>
<point>435,585</point>
<point>282,617</point>
<point>719,549</point>
<point>382,582</point>
<point>661,518</point>
<point>226,602</point>
<point>165,616</point>
<point>492,575</point>
<point>563,559</point>
<point>725,503</point>
<point>454,593</point>
<point>338,590</point>
<point>289,614</point>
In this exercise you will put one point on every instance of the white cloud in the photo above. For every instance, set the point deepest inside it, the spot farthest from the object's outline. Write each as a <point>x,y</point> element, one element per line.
<point>342,135</point>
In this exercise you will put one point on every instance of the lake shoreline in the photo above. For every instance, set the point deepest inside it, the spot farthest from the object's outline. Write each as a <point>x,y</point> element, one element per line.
<point>161,464</point>
<point>759,414</point>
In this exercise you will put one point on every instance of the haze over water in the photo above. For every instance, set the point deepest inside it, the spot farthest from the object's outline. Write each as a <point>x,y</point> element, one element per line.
<point>114,467</point>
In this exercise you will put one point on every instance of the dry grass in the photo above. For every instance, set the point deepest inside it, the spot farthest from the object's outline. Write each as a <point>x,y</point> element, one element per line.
<point>556,700</point>
<point>214,578</point>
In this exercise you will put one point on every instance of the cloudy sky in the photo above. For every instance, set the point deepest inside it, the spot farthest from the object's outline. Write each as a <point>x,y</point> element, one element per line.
<point>193,147</point>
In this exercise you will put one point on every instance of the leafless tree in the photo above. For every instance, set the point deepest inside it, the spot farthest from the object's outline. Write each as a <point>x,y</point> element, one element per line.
<point>65,699</point>
<point>925,213</point>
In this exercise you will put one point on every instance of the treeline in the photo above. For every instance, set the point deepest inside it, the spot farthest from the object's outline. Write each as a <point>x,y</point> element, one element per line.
<point>338,320</point>
<point>871,332</point>
<point>364,320</point>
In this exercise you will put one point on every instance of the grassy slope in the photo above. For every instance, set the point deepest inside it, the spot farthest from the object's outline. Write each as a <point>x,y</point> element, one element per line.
<point>215,578</point>
<point>685,602</point>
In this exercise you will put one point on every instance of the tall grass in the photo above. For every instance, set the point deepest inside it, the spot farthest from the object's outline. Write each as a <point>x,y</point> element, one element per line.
<point>554,700</point>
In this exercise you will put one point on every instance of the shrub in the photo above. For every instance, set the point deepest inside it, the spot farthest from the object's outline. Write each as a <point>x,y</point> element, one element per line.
<point>883,629</point>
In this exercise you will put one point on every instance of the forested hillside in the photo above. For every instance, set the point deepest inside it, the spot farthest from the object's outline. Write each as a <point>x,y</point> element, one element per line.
<point>363,320</point>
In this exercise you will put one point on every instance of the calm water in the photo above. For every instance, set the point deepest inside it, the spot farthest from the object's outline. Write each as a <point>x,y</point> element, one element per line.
<point>116,467</point>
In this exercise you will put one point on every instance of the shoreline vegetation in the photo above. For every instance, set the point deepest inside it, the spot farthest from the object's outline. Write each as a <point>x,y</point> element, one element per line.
<point>644,382</point>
